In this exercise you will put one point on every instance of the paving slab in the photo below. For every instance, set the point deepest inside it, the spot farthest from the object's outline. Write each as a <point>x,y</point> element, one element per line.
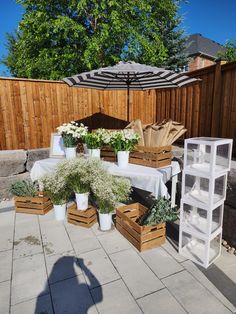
<point>62,266</point>
<point>29,278</point>
<point>7,230</point>
<point>199,275</point>
<point>193,296</point>
<point>173,252</point>
<point>116,299</point>
<point>136,274</point>
<point>5,297</point>
<point>97,268</point>
<point>82,239</point>
<point>27,238</point>
<point>73,296</point>
<point>5,265</point>
<point>55,238</point>
<point>160,302</point>
<point>113,242</point>
<point>161,262</point>
<point>40,305</point>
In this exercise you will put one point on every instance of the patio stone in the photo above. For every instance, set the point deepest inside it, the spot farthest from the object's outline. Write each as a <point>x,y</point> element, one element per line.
<point>173,252</point>
<point>27,240</point>
<point>136,274</point>
<point>166,264</point>
<point>97,268</point>
<point>62,266</point>
<point>5,265</point>
<point>194,297</point>
<point>12,162</point>
<point>5,297</point>
<point>7,230</point>
<point>55,237</point>
<point>29,279</point>
<point>160,302</point>
<point>73,296</point>
<point>82,239</point>
<point>116,299</point>
<point>199,275</point>
<point>40,305</point>
<point>113,242</point>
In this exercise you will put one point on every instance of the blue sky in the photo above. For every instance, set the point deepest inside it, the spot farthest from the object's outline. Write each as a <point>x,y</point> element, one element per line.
<point>215,19</point>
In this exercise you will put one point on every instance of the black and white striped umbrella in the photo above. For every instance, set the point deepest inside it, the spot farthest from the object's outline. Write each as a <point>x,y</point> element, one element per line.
<point>130,76</point>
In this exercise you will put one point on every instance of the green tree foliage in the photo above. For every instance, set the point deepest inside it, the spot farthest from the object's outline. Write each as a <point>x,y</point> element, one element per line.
<point>58,38</point>
<point>229,53</point>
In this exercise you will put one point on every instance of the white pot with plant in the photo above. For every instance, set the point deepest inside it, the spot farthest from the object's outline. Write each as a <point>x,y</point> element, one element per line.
<point>56,188</point>
<point>123,142</point>
<point>108,191</point>
<point>96,140</point>
<point>71,133</point>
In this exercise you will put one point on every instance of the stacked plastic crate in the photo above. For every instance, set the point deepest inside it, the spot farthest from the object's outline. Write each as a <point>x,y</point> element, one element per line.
<point>204,182</point>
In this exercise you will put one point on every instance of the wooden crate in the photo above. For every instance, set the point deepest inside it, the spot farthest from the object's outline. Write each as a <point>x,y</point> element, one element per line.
<point>85,218</point>
<point>108,154</point>
<point>142,237</point>
<point>38,205</point>
<point>155,157</point>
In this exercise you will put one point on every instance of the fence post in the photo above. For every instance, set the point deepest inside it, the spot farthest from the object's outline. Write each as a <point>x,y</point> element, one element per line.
<point>216,102</point>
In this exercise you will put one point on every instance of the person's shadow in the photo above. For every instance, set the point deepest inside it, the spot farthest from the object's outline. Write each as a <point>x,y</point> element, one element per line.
<point>69,293</point>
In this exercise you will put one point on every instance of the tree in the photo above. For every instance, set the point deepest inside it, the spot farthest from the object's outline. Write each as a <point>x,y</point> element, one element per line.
<point>229,53</point>
<point>58,38</point>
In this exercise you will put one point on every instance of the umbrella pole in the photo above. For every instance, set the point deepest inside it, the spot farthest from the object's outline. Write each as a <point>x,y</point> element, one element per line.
<point>128,103</point>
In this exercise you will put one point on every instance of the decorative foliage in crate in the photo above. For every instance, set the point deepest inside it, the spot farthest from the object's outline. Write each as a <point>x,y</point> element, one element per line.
<point>142,237</point>
<point>85,218</point>
<point>39,204</point>
<point>155,157</point>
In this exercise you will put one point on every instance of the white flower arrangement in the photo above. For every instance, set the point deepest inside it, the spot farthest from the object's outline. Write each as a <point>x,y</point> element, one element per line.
<point>123,140</point>
<point>71,132</point>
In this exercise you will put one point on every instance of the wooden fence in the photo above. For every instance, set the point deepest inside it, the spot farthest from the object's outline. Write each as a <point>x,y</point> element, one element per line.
<point>32,109</point>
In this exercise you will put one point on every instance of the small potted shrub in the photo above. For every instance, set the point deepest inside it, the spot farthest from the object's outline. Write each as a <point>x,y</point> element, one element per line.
<point>57,189</point>
<point>96,140</point>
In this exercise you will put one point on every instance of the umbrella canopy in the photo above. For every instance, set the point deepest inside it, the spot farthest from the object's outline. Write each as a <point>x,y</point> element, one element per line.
<point>130,76</point>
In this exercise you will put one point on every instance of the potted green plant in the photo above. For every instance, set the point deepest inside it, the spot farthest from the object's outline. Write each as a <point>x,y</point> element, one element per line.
<point>123,142</point>
<point>96,140</point>
<point>71,133</point>
<point>57,189</point>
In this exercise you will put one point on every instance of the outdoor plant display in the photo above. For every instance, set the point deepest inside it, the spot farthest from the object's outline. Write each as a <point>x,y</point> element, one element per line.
<point>24,188</point>
<point>160,212</point>
<point>57,189</point>
<point>96,140</point>
<point>123,142</point>
<point>71,133</point>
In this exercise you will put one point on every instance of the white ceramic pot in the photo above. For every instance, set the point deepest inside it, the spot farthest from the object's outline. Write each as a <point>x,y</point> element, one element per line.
<point>105,221</point>
<point>95,152</point>
<point>82,200</point>
<point>60,211</point>
<point>123,159</point>
<point>70,152</point>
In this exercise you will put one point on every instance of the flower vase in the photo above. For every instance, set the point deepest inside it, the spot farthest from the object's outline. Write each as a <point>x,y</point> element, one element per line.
<point>123,159</point>
<point>82,200</point>
<point>60,211</point>
<point>70,152</point>
<point>105,221</point>
<point>94,152</point>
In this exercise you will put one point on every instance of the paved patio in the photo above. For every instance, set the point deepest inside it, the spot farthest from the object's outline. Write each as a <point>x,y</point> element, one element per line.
<point>54,267</point>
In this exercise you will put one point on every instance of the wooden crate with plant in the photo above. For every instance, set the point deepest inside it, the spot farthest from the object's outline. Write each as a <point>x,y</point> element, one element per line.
<point>28,198</point>
<point>145,228</point>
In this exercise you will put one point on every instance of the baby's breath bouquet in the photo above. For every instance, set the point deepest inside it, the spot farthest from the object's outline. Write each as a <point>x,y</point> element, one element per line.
<point>97,139</point>
<point>56,188</point>
<point>124,140</point>
<point>71,133</point>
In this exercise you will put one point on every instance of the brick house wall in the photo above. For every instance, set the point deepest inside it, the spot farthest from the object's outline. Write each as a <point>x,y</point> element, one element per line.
<point>198,62</point>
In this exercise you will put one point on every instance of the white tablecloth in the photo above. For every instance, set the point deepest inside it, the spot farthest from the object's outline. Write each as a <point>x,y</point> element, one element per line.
<point>145,178</point>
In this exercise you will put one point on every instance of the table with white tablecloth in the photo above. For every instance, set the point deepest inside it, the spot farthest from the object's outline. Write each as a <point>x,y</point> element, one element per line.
<point>146,178</point>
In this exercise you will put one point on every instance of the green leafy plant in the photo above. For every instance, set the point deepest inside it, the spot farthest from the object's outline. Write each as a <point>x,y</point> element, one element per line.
<point>161,211</point>
<point>124,140</point>
<point>24,188</point>
<point>93,140</point>
<point>71,133</point>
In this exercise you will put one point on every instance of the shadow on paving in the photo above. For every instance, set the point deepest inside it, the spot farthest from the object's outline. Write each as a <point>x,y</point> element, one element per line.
<point>71,295</point>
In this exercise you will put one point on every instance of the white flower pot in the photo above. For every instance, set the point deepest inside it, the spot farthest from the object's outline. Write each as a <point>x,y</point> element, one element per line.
<point>70,152</point>
<point>105,221</point>
<point>60,211</point>
<point>123,159</point>
<point>95,152</point>
<point>82,200</point>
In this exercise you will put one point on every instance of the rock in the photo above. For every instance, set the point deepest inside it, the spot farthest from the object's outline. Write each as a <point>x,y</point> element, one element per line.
<point>5,183</point>
<point>36,154</point>
<point>224,243</point>
<point>12,162</point>
<point>231,189</point>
